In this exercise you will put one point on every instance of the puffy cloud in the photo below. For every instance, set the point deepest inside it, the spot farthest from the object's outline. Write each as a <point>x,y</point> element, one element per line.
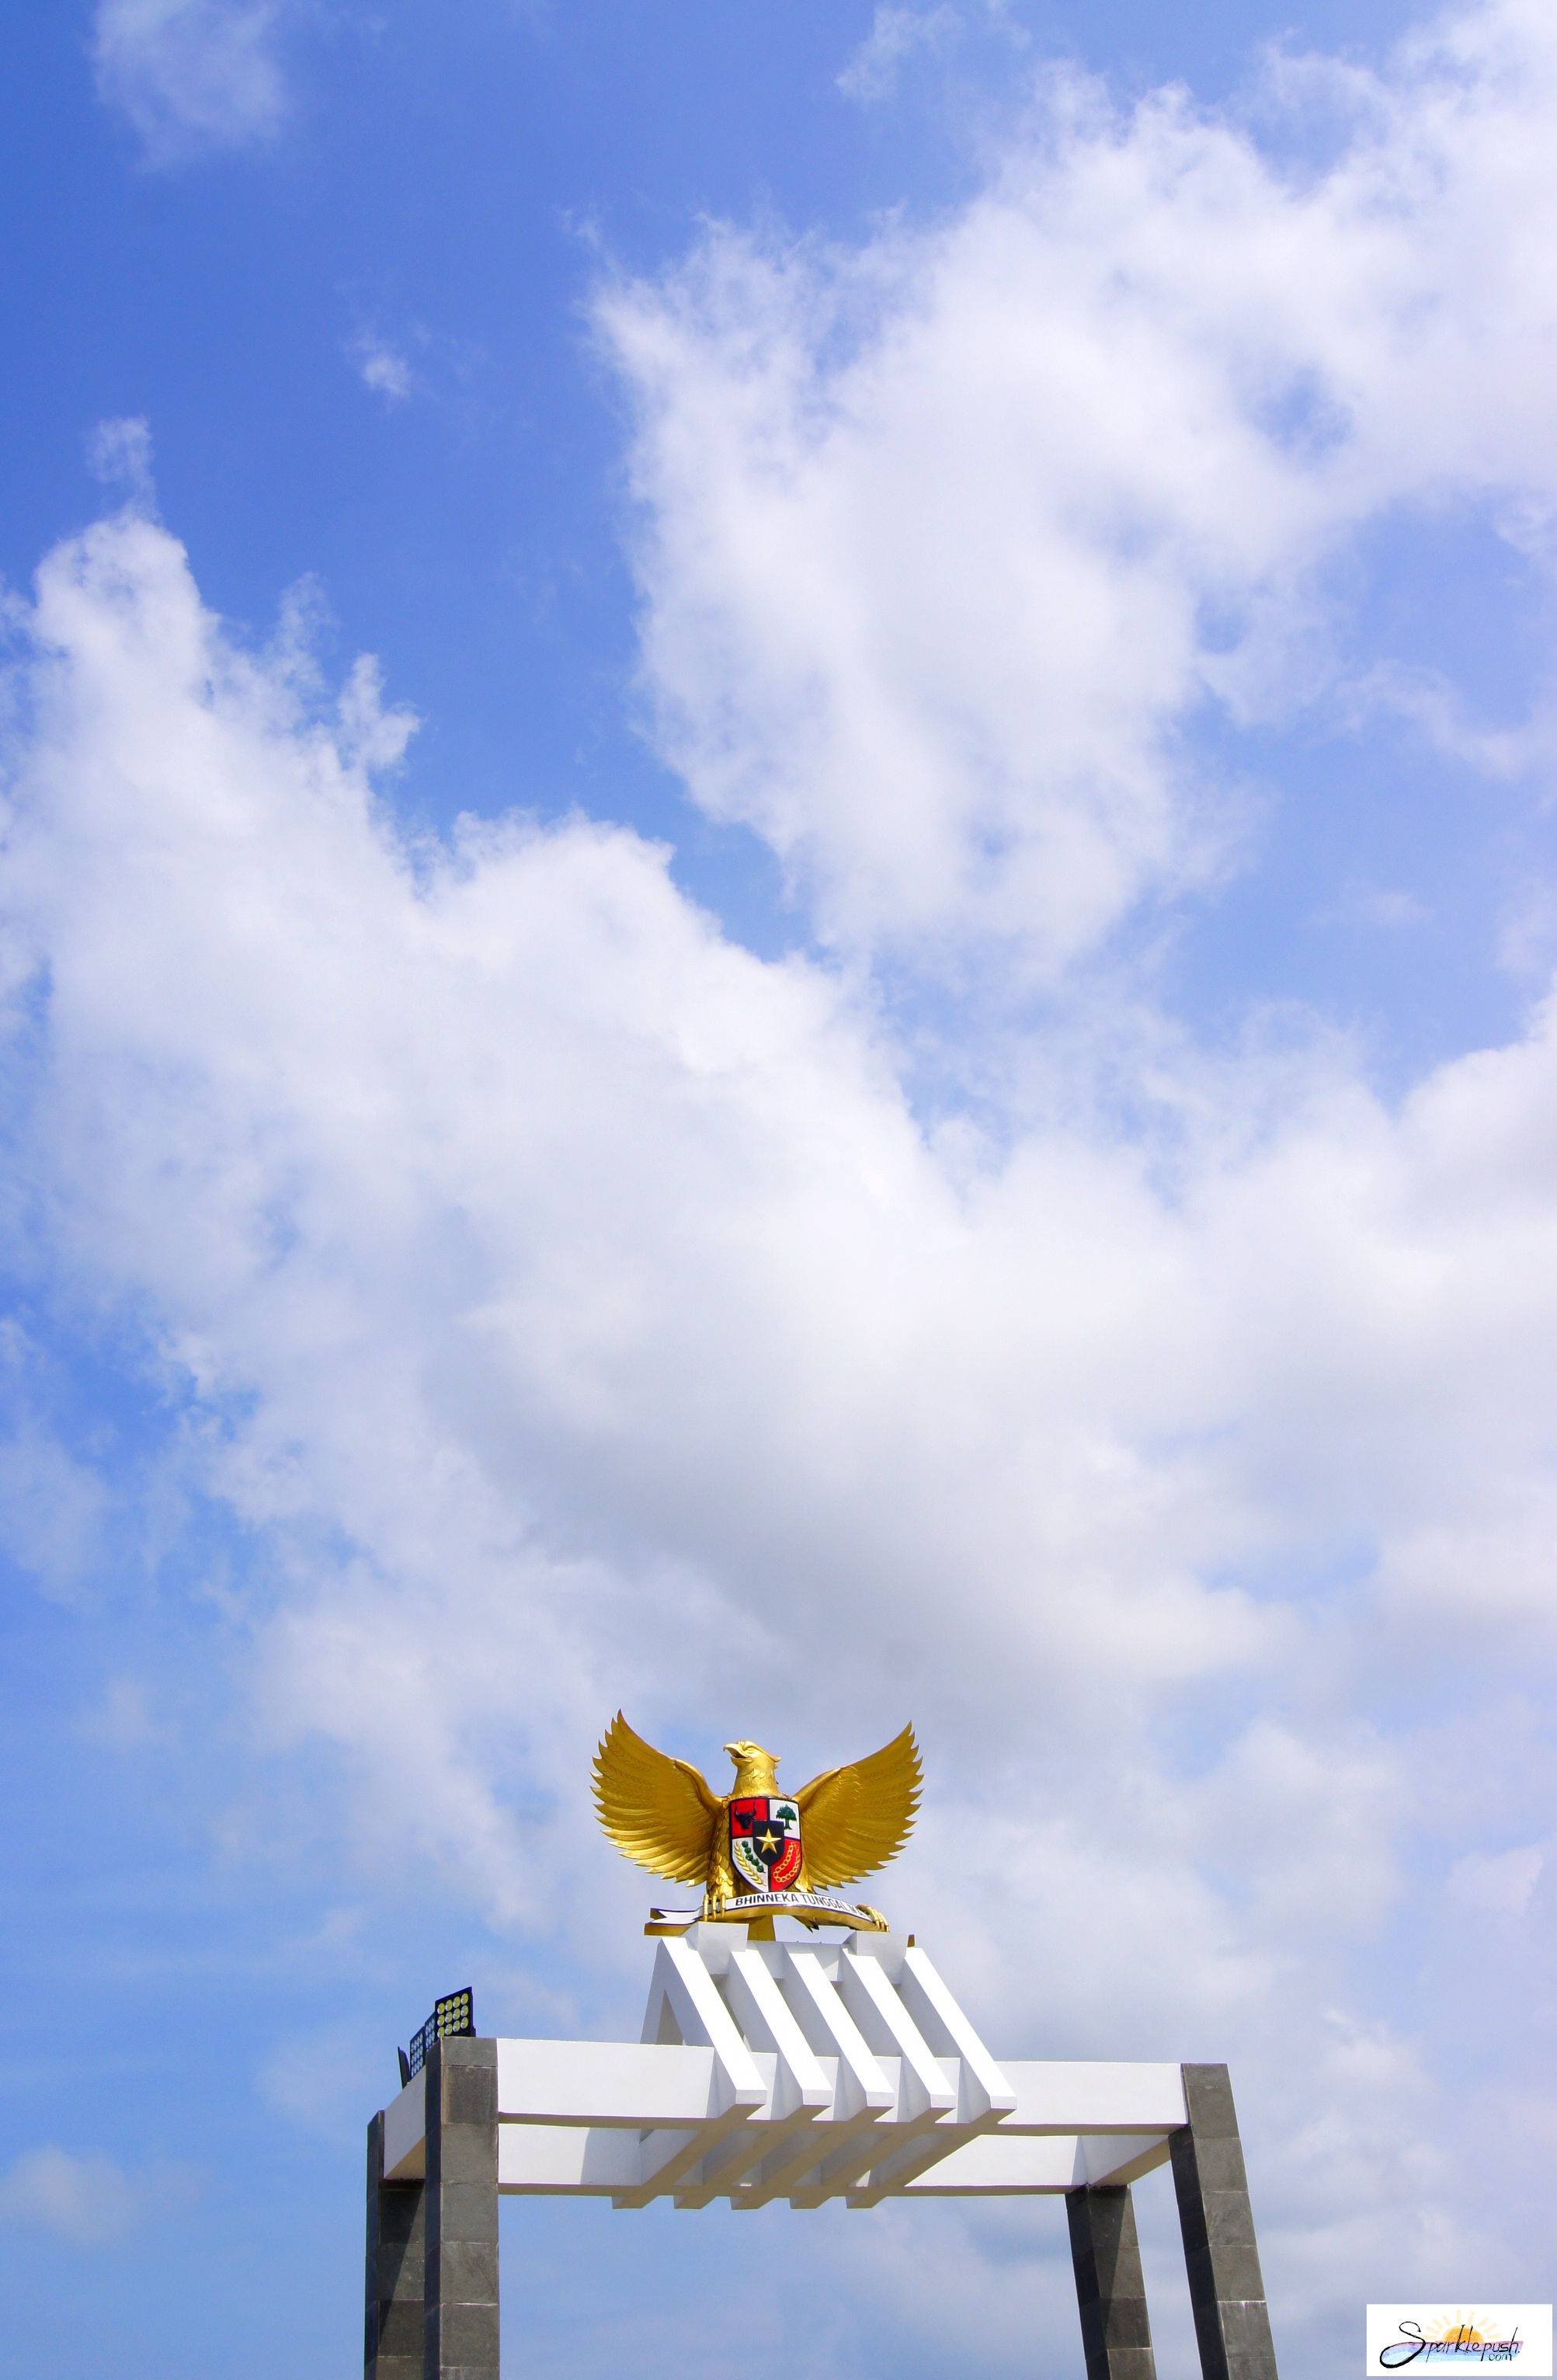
<point>949,541</point>
<point>192,75</point>
<point>572,1310</point>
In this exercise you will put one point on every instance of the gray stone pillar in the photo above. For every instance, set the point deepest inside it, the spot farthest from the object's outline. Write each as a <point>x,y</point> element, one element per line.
<point>396,2258</point>
<point>1116,2333</point>
<point>462,2210</point>
<point>1232,2323</point>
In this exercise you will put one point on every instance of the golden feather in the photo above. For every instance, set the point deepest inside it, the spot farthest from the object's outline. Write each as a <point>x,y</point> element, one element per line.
<point>855,1818</point>
<point>663,1814</point>
<point>660,1811</point>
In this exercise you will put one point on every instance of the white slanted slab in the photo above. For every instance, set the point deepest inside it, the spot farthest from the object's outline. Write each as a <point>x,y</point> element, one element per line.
<point>805,2070</point>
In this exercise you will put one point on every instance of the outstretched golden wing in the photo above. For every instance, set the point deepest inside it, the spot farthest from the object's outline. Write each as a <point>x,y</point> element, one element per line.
<point>659,1811</point>
<point>856,1818</point>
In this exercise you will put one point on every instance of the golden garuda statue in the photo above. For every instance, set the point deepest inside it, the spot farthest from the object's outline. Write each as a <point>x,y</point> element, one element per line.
<point>756,1851</point>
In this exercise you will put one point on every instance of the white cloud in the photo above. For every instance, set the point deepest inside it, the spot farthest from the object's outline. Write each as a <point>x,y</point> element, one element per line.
<point>52,1510</point>
<point>119,452</point>
<point>896,34</point>
<point>573,1307</point>
<point>89,2200</point>
<point>946,539</point>
<point>575,1310</point>
<point>421,362</point>
<point>384,368</point>
<point>1502,1882</point>
<point>192,75</point>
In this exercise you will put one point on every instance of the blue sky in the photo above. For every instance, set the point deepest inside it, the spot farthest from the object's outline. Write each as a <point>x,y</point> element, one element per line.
<point>776,923</point>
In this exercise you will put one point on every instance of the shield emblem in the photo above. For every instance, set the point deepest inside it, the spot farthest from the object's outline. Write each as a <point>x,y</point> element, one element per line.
<point>765,1841</point>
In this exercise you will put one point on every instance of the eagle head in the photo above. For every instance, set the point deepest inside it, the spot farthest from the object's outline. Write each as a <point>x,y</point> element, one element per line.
<point>754,1768</point>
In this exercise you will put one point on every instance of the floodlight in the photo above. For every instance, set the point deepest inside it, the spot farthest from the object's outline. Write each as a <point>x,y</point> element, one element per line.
<point>455,2013</point>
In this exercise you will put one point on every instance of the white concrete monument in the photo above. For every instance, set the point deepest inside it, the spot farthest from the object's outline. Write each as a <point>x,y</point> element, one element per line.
<point>803,2070</point>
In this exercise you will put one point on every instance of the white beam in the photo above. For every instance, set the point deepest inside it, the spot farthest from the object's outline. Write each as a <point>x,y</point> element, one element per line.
<point>682,1990</point>
<point>719,2174</point>
<point>888,2026</point>
<point>567,2160</point>
<point>994,2166</point>
<point>986,2090</point>
<point>639,2084</point>
<point>1124,2156</point>
<point>828,2026</point>
<point>810,2071</point>
<point>800,2086</point>
<point>786,2169</point>
<point>1083,2095</point>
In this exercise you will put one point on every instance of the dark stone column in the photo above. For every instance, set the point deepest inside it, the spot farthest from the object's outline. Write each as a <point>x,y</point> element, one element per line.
<point>1116,2333</point>
<point>1232,2323</point>
<point>462,2210</point>
<point>396,2257</point>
